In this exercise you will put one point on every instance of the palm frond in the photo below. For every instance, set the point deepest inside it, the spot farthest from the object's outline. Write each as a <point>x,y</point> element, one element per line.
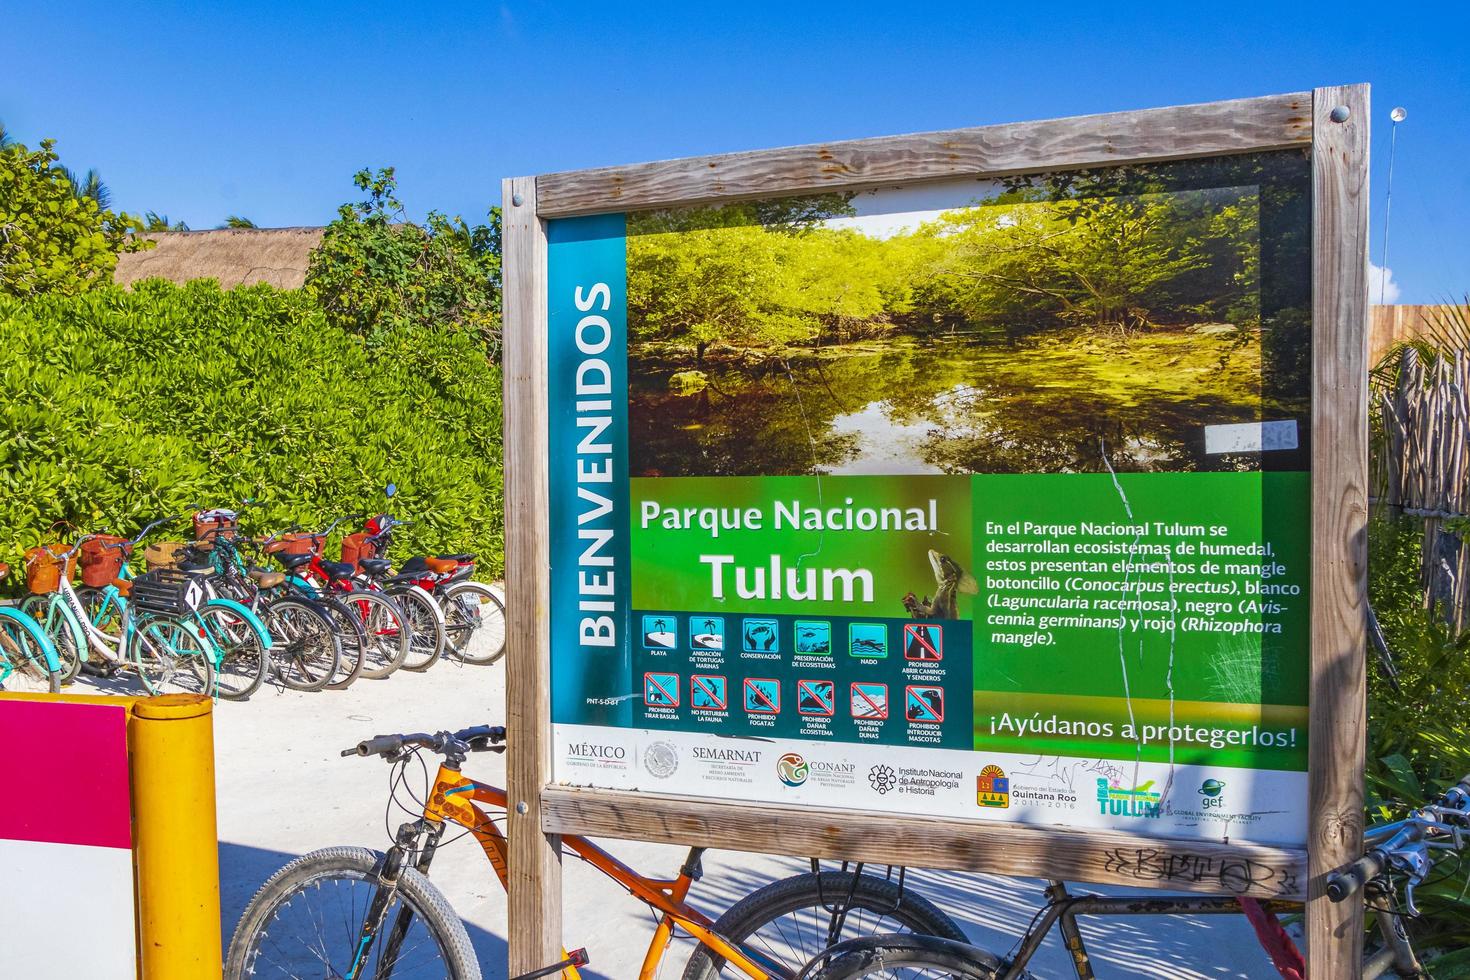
<point>235,221</point>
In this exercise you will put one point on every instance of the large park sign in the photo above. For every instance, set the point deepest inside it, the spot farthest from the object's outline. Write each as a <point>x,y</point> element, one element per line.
<point>987,499</point>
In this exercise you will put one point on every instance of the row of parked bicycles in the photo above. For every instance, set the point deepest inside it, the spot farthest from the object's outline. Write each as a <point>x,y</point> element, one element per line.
<point>222,612</point>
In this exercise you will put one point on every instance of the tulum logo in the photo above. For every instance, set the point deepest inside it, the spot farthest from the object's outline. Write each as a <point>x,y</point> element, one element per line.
<point>792,769</point>
<point>661,759</point>
<point>882,778</point>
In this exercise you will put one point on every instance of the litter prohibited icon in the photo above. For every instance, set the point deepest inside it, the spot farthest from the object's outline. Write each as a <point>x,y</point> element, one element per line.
<point>661,690</point>
<point>762,696</point>
<point>870,700</point>
<point>708,692</point>
<point>923,641</point>
<point>816,698</point>
<point>925,704</point>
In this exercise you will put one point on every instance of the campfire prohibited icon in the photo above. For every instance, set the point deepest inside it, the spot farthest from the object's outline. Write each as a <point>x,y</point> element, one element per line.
<point>762,696</point>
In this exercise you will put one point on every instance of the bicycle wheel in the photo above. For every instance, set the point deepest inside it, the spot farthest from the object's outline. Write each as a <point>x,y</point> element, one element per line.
<point>23,667</point>
<point>351,641</point>
<point>242,661</point>
<point>909,957</point>
<point>790,920</point>
<point>169,657</point>
<point>305,651</point>
<point>101,613</point>
<point>52,617</point>
<point>426,628</point>
<point>474,623</point>
<point>306,920</point>
<point>385,628</point>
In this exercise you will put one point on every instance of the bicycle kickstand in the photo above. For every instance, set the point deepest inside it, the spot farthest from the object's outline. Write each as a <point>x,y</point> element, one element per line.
<point>577,957</point>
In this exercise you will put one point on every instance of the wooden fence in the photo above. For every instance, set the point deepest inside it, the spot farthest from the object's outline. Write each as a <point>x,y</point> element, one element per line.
<point>1422,467</point>
<point>1390,325</point>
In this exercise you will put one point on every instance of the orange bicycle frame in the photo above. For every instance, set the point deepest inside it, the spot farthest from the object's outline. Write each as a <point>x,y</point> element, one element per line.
<point>453,800</point>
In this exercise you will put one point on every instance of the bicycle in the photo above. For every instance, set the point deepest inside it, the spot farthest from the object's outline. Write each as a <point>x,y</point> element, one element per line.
<point>351,912</point>
<point>1402,847</point>
<point>385,633</point>
<point>28,660</point>
<point>474,614</point>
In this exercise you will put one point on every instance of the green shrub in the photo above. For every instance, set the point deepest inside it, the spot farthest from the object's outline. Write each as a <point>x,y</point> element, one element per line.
<point>1419,734</point>
<point>125,406</point>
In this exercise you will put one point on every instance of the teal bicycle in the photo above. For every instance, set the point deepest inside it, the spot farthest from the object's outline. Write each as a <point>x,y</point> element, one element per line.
<point>28,660</point>
<point>160,625</point>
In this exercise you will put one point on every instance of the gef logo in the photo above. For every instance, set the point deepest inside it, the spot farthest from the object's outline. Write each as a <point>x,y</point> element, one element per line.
<point>1211,794</point>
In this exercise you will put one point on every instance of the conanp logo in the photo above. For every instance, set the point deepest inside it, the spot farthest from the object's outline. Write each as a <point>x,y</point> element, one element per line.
<point>792,769</point>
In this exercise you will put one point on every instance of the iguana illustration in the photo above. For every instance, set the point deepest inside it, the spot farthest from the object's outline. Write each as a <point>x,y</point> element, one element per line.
<point>949,580</point>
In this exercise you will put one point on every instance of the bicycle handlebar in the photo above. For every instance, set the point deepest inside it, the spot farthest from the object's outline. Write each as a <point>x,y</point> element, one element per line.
<point>1453,802</point>
<point>480,738</point>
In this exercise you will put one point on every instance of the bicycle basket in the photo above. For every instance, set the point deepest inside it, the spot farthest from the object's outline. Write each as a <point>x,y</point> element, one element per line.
<point>211,524</point>
<point>43,568</point>
<point>102,559</point>
<point>356,547</point>
<point>164,554</point>
<point>295,544</point>
<point>163,591</point>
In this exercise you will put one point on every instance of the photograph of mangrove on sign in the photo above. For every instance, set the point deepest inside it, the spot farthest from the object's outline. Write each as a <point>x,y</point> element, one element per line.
<point>981,498</point>
<point>1046,324</point>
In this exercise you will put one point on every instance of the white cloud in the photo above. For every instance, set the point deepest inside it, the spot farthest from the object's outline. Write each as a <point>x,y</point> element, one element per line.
<point>1381,287</point>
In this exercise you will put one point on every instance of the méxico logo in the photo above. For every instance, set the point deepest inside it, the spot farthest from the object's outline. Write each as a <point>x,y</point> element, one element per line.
<point>992,787</point>
<point>792,769</point>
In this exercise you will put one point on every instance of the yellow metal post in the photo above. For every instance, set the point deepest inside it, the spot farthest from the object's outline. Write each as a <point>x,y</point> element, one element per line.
<point>175,848</point>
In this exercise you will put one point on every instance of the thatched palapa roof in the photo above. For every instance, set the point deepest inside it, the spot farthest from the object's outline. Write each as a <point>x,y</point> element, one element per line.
<point>234,256</point>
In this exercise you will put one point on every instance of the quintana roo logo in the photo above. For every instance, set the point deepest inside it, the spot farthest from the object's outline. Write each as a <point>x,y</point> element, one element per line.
<point>882,778</point>
<point>792,769</point>
<point>660,759</point>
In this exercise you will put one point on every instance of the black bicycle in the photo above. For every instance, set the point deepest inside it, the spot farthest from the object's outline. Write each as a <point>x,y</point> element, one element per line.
<point>1403,852</point>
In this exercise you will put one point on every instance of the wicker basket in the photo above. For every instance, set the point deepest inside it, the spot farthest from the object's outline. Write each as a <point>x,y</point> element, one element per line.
<point>356,547</point>
<point>43,568</point>
<point>210,524</point>
<point>296,544</point>
<point>165,554</point>
<point>102,559</point>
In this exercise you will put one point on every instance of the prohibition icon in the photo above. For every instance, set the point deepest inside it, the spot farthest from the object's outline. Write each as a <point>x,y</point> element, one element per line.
<point>708,692</point>
<point>922,641</point>
<point>869,700</point>
<point>924,704</point>
<point>816,698</point>
<point>661,690</point>
<point>762,696</point>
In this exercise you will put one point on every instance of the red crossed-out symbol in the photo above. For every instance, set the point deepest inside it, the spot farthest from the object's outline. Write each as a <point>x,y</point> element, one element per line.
<point>869,700</point>
<point>923,642</point>
<point>712,686</point>
<point>666,686</point>
<point>822,692</point>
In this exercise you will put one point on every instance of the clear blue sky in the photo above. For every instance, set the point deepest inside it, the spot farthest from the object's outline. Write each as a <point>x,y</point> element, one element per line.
<point>203,109</point>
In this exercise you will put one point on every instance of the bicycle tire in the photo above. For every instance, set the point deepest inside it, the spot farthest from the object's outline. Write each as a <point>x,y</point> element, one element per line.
<point>155,650</point>
<point>306,650</point>
<point>879,956</point>
<point>465,619</point>
<point>426,627</point>
<point>23,667</point>
<point>41,609</point>
<point>385,628</point>
<point>243,664</point>
<point>351,641</point>
<point>312,871</point>
<point>771,903</point>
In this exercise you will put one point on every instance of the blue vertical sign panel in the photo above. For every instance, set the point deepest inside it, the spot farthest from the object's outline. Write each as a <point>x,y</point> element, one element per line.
<point>587,368</point>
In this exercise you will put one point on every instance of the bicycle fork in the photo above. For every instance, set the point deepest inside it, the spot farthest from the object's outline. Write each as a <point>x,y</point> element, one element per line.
<point>387,875</point>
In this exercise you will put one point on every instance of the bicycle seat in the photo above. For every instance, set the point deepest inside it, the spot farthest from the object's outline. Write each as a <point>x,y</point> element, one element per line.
<point>374,566</point>
<point>440,566</point>
<point>267,579</point>
<point>338,569</point>
<point>461,559</point>
<point>202,569</point>
<point>293,561</point>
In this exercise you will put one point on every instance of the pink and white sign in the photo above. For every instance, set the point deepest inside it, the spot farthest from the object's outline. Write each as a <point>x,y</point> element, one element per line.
<point>66,838</point>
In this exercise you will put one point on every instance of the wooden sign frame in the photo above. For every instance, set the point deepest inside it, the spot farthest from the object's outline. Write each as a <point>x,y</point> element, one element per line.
<point>1334,123</point>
